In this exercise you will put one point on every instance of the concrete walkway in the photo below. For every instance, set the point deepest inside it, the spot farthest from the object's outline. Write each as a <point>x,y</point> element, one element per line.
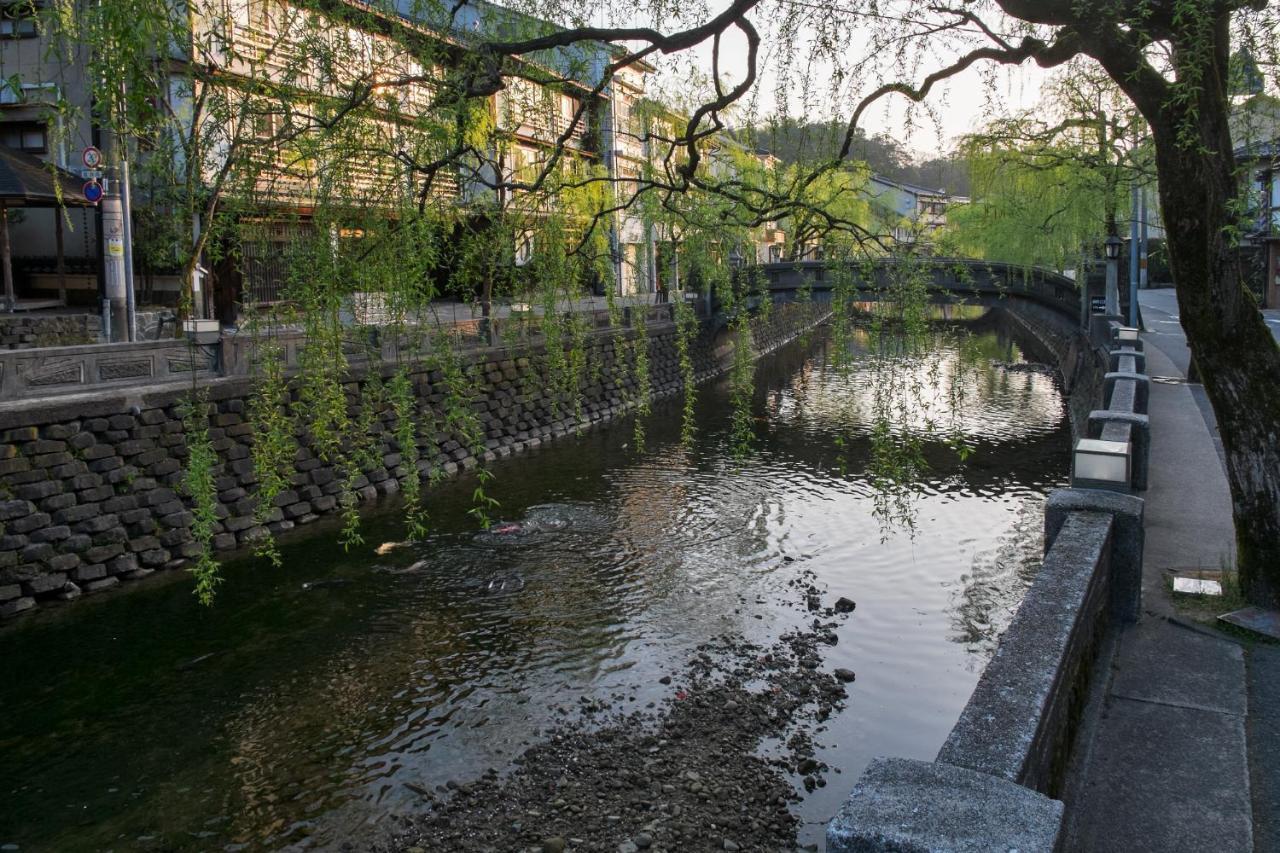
<point>1182,753</point>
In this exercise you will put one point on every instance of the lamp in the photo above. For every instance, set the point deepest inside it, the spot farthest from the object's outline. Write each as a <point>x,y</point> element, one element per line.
<point>1113,246</point>
<point>1100,464</point>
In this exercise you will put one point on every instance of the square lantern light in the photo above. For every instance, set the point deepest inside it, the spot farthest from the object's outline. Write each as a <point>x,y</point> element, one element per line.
<point>1113,246</point>
<point>1099,464</point>
<point>1126,334</point>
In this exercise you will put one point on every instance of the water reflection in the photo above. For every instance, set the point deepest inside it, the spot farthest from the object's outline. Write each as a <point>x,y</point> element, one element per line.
<point>292,716</point>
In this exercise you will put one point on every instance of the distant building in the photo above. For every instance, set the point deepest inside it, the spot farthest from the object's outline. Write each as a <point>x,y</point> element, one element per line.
<point>912,213</point>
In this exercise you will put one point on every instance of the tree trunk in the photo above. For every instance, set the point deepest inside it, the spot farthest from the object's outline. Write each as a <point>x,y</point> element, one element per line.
<point>1238,359</point>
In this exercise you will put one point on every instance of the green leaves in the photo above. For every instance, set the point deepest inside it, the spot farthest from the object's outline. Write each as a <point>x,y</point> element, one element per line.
<point>199,483</point>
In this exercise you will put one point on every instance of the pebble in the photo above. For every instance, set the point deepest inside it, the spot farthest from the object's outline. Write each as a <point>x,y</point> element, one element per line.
<point>643,841</point>
<point>845,605</point>
<point>730,845</point>
<point>553,845</point>
<point>628,846</point>
<point>846,675</point>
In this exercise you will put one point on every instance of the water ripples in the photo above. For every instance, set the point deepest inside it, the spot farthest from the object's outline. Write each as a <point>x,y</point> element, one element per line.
<point>323,709</point>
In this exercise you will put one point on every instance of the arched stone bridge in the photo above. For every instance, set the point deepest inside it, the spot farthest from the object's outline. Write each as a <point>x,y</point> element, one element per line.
<point>949,280</point>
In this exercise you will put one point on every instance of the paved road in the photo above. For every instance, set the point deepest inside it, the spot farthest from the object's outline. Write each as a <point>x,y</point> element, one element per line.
<point>1185,753</point>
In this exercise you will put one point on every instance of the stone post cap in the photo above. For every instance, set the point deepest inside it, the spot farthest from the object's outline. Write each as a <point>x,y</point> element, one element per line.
<point>902,804</point>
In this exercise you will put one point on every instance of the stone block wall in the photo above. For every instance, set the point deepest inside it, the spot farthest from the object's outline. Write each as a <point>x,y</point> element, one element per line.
<point>91,491</point>
<point>1080,365</point>
<point>28,331</point>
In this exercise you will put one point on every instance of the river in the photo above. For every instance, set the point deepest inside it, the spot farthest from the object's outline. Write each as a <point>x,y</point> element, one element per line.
<point>312,700</point>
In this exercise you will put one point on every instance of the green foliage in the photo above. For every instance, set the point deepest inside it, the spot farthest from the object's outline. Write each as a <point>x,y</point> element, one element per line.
<point>199,483</point>
<point>274,444</point>
<point>404,404</point>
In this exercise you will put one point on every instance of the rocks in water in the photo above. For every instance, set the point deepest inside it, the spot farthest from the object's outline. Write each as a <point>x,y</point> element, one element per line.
<point>845,605</point>
<point>682,777</point>
<point>846,675</point>
<point>806,766</point>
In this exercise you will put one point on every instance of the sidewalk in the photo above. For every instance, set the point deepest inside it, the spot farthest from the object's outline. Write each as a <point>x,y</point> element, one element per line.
<point>1184,752</point>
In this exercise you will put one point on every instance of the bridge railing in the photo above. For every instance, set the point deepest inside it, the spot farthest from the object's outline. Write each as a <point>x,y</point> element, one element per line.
<point>958,277</point>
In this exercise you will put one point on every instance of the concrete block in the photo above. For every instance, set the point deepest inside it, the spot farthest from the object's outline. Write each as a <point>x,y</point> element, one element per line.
<point>904,805</point>
<point>1126,540</point>
<point>1142,389</point>
<point>1138,363</point>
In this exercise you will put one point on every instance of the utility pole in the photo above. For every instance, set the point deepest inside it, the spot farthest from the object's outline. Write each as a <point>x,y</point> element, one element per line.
<point>1142,244</point>
<point>1133,255</point>
<point>113,264</point>
<point>131,309</point>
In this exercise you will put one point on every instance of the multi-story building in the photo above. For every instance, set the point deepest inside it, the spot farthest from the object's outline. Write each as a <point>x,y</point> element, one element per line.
<point>912,213</point>
<point>278,112</point>
<point>252,97</point>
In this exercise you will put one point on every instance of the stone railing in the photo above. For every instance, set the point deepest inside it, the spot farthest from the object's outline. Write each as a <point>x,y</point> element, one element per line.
<point>959,278</point>
<point>369,344</point>
<point>56,371</point>
<point>994,783</point>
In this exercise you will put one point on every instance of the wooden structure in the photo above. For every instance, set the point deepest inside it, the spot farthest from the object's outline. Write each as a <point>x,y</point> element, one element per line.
<point>28,181</point>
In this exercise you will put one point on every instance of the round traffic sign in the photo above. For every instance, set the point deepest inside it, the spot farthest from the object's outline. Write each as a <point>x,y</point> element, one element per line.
<point>93,191</point>
<point>92,158</point>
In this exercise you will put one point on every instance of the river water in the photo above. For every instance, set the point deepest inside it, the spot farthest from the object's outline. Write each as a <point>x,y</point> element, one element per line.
<point>313,700</point>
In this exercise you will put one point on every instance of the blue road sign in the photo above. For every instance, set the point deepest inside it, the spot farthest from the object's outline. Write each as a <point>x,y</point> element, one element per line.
<point>93,191</point>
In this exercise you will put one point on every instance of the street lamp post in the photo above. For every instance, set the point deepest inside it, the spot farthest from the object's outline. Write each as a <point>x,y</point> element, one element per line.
<point>1113,246</point>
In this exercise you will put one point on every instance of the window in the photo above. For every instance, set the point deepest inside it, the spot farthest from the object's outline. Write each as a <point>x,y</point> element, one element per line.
<point>1275,200</point>
<point>18,20</point>
<point>775,254</point>
<point>260,14</point>
<point>29,136</point>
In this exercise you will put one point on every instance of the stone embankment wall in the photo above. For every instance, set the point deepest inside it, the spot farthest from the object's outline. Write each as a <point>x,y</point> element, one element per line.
<point>28,331</point>
<point>996,783</point>
<point>90,488</point>
<point>1080,364</point>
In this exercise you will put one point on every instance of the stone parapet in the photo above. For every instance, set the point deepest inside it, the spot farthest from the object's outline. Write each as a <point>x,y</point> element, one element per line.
<point>992,784</point>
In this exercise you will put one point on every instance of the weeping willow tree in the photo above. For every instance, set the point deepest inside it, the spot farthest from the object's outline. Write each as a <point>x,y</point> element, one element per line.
<point>1049,183</point>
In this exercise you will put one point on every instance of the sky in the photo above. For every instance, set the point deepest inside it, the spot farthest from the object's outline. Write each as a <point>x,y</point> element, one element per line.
<point>961,104</point>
